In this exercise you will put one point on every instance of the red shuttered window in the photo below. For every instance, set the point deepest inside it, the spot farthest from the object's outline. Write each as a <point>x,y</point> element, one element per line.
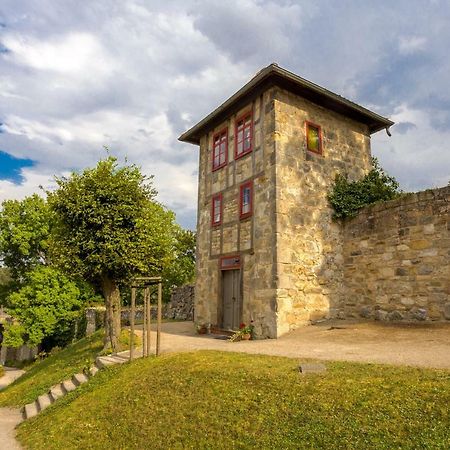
<point>220,149</point>
<point>216,210</point>
<point>246,200</point>
<point>244,136</point>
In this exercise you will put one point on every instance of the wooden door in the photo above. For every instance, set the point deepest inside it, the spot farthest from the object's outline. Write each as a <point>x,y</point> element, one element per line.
<point>231,299</point>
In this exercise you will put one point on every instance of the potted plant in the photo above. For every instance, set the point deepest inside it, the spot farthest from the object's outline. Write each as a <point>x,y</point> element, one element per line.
<point>203,328</point>
<point>244,333</point>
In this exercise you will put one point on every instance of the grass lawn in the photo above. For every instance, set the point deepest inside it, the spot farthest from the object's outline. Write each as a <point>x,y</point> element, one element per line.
<point>2,371</point>
<point>41,375</point>
<point>220,400</point>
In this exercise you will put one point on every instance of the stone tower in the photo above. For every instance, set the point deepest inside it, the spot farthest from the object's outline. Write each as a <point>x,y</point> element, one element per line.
<point>267,248</point>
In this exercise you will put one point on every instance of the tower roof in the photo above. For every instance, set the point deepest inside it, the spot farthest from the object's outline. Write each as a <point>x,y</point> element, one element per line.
<point>274,75</point>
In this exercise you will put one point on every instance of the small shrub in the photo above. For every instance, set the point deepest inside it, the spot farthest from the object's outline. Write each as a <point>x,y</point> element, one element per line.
<point>348,197</point>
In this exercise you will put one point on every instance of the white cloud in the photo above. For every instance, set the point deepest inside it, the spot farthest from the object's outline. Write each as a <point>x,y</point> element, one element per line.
<point>133,75</point>
<point>73,54</point>
<point>412,44</point>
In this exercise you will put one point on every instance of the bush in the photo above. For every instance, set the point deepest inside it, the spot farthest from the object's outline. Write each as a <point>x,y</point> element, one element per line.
<point>46,306</point>
<point>348,197</point>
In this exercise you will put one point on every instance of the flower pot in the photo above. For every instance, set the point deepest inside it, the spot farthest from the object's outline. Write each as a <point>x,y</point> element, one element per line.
<point>246,337</point>
<point>202,330</point>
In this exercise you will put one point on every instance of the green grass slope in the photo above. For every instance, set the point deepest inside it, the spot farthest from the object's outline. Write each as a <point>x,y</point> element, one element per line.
<point>220,400</point>
<point>56,368</point>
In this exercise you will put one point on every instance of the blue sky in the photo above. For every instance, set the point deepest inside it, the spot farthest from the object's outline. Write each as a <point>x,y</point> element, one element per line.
<point>11,168</point>
<point>133,75</point>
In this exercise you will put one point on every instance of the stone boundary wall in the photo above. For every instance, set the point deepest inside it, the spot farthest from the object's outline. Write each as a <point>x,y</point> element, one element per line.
<point>181,305</point>
<point>397,259</point>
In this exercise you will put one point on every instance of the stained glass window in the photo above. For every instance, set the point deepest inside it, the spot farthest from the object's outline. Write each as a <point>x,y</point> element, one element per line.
<point>313,138</point>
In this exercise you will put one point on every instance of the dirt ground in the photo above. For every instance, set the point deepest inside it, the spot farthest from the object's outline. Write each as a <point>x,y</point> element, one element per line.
<point>420,345</point>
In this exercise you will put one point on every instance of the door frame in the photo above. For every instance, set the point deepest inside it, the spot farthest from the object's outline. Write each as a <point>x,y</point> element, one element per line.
<point>223,267</point>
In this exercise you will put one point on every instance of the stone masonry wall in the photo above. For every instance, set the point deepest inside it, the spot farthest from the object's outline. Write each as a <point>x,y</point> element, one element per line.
<point>397,259</point>
<point>309,244</point>
<point>254,244</point>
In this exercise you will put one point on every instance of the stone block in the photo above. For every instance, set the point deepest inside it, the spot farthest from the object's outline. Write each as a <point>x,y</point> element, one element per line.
<point>381,315</point>
<point>419,244</point>
<point>308,368</point>
<point>366,312</point>
<point>420,314</point>
<point>447,311</point>
<point>395,316</point>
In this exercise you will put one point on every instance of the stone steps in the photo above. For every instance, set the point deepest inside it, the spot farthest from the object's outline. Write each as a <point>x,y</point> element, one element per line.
<point>61,389</point>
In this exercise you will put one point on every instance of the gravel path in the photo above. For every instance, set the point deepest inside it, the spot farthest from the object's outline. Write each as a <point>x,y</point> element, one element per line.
<point>9,418</point>
<point>420,345</point>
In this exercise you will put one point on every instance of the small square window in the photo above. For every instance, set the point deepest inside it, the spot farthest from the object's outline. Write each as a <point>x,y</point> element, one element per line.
<point>216,210</point>
<point>246,200</point>
<point>244,136</point>
<point>313,138</point>
<point>220,149</point>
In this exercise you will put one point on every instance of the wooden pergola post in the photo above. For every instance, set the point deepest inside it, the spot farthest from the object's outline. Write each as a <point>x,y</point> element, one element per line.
<point>133,312</point>
<point>149,318</point>
<point>159,316</point>
<point>146,283</point>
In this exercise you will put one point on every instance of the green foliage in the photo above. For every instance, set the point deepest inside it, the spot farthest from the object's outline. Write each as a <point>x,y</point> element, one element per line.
<point>180,269</point>
<point>348,197</point>
<point>46,305</point>
<point>109,224</point>
<point>25,228</point>
<point>7,285</point>
<point>224,400</point>
<point>13,334</point>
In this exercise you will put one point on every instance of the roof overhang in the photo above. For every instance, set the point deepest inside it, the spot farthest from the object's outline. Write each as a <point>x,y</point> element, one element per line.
<point>273,75</point>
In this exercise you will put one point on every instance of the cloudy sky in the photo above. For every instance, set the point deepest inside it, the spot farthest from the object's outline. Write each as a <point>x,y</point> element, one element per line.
<point>134,74</point>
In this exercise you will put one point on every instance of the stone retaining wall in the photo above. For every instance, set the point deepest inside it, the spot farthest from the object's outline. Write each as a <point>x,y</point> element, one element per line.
<point>397,259</point>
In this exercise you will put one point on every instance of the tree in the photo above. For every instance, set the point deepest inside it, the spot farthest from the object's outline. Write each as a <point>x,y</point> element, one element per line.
<point>6,284</point>
<point>46,305</point>
<point>109,229</point>
<point>181,269</point>
<point>347,197</point>
<point>25,228</point>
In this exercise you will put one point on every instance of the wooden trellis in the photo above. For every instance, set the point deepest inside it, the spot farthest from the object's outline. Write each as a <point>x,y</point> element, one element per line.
<point>146,283</point>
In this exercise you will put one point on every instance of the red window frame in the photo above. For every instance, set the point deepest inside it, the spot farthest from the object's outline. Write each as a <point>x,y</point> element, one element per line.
<point>223,138</point>
<point>309,125</point>
<point>244,215</point>
<point>218,197</point>
<point>237,126</point>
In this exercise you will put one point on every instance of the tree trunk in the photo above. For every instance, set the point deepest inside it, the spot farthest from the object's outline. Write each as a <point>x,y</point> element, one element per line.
<point>111,294</point>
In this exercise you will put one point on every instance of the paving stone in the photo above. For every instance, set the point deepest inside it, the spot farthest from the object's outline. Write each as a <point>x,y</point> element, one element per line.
<point>30,410</point>
<point>79,378</point>
<point>93,370</point>
<point>68,386</point>
<point>56,392</point>
<point>312,368</point>
<point>43,401</point>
